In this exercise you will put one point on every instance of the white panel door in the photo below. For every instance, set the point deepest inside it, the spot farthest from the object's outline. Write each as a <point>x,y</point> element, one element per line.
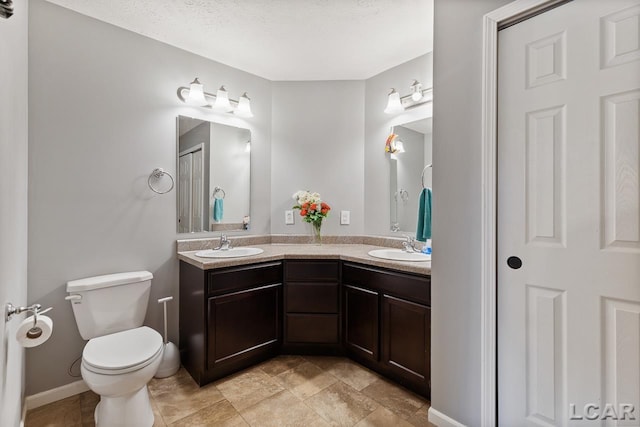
<point>197,193</point>
<point>569,209</point>
<point>184,191</point>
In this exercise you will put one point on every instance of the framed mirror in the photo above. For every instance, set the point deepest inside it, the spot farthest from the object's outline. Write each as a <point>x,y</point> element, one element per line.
<point>410,172</point>
<point>214,176</point>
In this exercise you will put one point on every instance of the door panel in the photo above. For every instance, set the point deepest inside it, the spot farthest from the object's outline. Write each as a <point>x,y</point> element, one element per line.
<point>405,338</point>
<point>242,323</point>
<point>197,216</point>
<point>361,321</point>
<point>569,207</point>
<point>184,189</point>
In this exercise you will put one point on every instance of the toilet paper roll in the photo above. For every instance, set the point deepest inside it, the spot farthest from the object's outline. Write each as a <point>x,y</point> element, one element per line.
<point>27,336</point>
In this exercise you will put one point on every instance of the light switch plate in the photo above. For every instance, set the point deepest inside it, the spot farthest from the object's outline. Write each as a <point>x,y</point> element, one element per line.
<point>345,217</point>
<point>288,217</point>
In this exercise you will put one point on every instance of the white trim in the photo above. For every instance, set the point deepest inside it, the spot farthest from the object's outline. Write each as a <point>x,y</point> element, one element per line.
<point>488,268</point>
<point>23,417</point>
<point>193,149</point>
<point>55,394</point>
<point>488,303</point>
<point>441,420</point>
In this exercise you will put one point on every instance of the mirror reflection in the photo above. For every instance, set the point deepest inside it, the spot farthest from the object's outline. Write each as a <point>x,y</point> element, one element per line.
<point>410,173</point>
<point>214,170</point>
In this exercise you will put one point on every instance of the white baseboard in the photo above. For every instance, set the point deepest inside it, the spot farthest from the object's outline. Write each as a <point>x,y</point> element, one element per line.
<point>55,394</point>
<point>441,420</point>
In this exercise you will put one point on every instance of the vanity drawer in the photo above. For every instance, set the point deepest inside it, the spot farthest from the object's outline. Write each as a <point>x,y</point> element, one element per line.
<point>312,271</point>
<point>411,287</point>
<point>311,297</point>
<point>312,328</point>
<point>242,277</point>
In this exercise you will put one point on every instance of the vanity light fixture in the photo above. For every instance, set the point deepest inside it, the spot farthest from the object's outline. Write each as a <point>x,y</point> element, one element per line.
<point>393,104</point>
<point>244,106</point>
<point>394,145</point>
<point>418,96</point>
<point>416,90</point>
<point>196,93</point>
<point>220,102</point>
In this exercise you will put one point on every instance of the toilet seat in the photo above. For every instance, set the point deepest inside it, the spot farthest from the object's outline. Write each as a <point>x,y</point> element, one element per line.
<point>122,352</point>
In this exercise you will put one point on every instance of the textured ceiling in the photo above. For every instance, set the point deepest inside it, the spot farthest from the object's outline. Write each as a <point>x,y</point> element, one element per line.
<point>281,39</point>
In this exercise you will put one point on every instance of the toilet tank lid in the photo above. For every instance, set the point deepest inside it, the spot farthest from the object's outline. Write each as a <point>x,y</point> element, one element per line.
<point>97,282</point>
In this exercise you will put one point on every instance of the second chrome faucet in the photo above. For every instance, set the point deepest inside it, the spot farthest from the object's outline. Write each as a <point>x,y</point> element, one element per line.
<point>225,244</point>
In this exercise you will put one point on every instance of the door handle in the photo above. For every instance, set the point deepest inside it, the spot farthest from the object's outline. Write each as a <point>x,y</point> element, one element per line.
<point>514,262</point>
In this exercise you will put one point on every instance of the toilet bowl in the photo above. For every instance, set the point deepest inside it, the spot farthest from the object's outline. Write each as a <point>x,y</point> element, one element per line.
<point>118,367</point>
<point>121,356</point>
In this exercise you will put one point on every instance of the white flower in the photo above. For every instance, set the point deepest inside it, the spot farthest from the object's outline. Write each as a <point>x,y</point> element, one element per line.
<point>306,197</point>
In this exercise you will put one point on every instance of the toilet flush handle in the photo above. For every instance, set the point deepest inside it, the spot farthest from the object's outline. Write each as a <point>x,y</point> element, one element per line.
<point>73,298</point>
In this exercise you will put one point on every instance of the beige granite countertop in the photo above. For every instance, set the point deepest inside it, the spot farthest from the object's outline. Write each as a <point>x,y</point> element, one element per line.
<point>274,251</point>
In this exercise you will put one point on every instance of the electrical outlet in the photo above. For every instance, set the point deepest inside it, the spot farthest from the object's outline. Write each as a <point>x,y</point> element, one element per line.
<point>345,217</point>
<point>288,217</point>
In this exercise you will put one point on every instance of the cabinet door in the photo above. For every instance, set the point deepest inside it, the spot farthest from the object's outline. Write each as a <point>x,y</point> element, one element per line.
<point>361,321</point>
<point>406,339</point>
<point>243,324</point>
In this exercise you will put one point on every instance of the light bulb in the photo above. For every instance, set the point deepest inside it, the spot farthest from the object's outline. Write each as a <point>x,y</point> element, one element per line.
<point>417,91</point>
<point>222,104</point>
<point>393,104</point>
<point>196,93</point>
<point>244,106</point>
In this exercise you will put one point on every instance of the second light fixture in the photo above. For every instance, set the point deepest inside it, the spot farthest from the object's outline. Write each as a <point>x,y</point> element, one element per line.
<point>220,102</point>
<point>418,96</point>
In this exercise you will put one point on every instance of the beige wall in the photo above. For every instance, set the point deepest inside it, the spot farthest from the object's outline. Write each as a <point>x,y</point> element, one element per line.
<point>455,291</point>
<point>318,144</point>
<point>377,125</point>
<point>103,110</point>
<point>13,205</point>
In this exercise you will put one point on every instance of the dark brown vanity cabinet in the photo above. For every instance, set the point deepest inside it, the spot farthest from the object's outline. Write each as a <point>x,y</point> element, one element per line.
<point>234,317</point>
<point>312,306</point>
<point>230,318</point>
<point>387,322</point>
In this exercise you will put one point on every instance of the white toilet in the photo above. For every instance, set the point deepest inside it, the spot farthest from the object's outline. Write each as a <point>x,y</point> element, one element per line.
<point>121,356</point>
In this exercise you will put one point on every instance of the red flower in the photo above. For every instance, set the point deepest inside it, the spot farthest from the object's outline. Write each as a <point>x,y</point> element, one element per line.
<point>314,206</point>
<point>324,206</point>
<point>324,211</point>
<point>303,212</point>
<point>305,205</point>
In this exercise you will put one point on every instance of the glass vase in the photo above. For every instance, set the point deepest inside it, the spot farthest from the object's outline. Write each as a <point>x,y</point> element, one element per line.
<point>317,235</point>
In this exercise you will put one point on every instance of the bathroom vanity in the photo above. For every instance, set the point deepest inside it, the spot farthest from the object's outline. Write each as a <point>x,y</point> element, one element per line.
<point>299,299</point>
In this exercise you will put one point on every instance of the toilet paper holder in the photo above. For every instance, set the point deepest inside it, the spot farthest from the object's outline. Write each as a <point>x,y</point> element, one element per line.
<point>11,310</point>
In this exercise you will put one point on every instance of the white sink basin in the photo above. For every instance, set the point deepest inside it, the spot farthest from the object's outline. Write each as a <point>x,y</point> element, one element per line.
<point>230,253</point>
<point>399,255</point>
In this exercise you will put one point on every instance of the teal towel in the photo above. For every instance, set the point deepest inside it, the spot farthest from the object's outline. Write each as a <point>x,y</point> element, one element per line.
<point>218,209</point>
<point>424,216</point>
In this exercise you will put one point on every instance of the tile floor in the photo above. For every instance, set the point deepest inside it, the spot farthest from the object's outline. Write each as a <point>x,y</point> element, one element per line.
<point>304,391</point>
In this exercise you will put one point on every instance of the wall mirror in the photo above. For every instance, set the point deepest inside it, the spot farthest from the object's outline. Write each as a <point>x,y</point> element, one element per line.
<point>214,171</point>
<point>410,172</point>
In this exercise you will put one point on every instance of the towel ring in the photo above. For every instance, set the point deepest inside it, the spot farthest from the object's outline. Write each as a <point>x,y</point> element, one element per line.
<point>216,190</point>
<point>404,195</point>
<point>423,171</point>
<point>158,173</point>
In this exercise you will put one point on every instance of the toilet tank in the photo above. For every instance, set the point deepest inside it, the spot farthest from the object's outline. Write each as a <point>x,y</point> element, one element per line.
<point>111,303</point>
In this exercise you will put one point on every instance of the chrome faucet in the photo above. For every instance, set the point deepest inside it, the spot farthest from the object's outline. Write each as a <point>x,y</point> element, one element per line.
<point>409,245</point>
<point>225,244</point>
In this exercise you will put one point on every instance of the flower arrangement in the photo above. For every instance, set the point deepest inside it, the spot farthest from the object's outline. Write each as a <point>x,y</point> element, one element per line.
<point>312,209</point>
